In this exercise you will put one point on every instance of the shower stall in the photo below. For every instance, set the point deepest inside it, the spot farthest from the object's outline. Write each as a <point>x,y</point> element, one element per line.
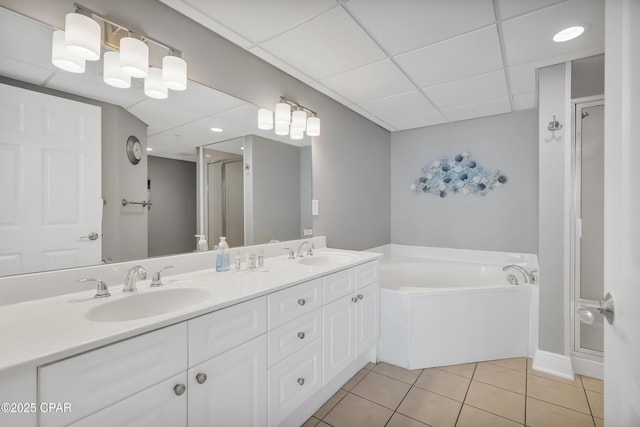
<point>588,233</point>
<point>225,201</point>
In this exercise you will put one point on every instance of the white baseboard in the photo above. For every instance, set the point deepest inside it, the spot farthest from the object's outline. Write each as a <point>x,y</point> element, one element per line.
<point>553,363</point>
<point>588,367</point>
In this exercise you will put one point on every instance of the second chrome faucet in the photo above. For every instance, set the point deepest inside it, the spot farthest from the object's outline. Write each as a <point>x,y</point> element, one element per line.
<point>135,272</point>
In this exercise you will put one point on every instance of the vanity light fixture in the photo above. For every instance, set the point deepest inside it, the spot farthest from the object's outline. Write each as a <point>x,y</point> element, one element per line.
<point>265,119</point>
<point>287,123</point>
<point>567,34</point>
<point>86,31</point>
<point>82,36</point>
<point>62,58</point>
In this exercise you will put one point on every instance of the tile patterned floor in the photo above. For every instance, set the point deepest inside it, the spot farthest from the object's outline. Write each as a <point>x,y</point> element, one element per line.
<point>499,393</point>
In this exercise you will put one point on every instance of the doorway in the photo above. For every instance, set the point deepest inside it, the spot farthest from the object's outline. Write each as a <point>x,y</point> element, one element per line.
<point>587,254</point>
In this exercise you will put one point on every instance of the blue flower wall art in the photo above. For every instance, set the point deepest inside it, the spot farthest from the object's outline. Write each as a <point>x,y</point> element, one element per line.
<point>460,175</point>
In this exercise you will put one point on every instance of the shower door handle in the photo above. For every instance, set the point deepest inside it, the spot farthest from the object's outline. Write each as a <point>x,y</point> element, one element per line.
<point>604,307</point>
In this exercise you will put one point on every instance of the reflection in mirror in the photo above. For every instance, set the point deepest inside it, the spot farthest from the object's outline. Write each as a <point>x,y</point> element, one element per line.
<point>170,131</point>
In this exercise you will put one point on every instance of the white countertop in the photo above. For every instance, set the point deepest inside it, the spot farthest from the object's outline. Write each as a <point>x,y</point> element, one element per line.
<point>45,330</point>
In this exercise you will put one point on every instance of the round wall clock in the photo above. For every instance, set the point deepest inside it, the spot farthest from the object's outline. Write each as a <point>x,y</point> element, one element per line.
<point>134,150</point>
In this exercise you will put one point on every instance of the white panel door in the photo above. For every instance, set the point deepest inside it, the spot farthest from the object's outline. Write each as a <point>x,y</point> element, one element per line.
<point>50,182</point>
<point>622,209</point>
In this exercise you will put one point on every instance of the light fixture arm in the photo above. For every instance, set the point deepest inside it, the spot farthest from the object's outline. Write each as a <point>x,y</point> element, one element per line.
<point>111,42</point>
<point>295,105</point>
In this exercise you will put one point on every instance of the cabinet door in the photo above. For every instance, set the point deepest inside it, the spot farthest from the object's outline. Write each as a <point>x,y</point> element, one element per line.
<point>366,318</point>
<point>338,340</point>
<point>19,386</point>
<point>95,380</point>
<point>161,405</point>
<point>234,391</point>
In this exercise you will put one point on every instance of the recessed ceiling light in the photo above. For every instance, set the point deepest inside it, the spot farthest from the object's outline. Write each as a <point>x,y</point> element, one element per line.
<point>216,130</point>
<point>242,148</point>
<point>568,34</point>
<point>149,149</point>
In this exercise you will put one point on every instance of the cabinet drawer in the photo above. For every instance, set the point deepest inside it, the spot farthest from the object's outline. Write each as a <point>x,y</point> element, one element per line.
<point>292,336</point>
<point>367,274</point>
<point>215,333</point>
<point>158,405</point>
<point>293,381</point>
<point>287,304</point>
<point>99,378</point>
<point>338,284</point>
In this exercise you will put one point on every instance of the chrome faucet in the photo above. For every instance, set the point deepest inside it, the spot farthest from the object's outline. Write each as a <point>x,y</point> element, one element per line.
<point>156,281</point>
<point>528,275</point>
<point>309,251</point>
<point>135,272</point>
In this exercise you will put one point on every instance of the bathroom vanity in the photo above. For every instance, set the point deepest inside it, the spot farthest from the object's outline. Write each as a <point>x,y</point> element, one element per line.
<point>249,348</point>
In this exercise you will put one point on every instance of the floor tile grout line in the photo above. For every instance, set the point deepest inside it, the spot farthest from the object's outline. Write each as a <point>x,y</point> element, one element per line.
<point>497,415</point>
<point>560,406</point>
<point>503,388</point>
<point>464,399</point>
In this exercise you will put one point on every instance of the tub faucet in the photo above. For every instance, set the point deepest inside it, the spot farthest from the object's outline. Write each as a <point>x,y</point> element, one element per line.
<point>134,273</point>
<point>528,275</point>
<point>309,251</point>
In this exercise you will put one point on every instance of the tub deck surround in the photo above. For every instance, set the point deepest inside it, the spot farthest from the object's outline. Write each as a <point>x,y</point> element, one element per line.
<point>447,306</point>
<point>41,331</point>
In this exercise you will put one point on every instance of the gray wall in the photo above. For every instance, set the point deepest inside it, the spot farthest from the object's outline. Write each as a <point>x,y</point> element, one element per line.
<point>503,220</point>
<point>172,218</point>
<point>275,173</point>
<point>350,157</point>
<point>554,156</point>
<point>587,76</point>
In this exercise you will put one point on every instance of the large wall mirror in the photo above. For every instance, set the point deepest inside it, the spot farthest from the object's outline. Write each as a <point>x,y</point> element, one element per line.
<point>204,167</point>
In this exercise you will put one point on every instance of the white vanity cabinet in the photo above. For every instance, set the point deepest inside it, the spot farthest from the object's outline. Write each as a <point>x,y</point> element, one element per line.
<point>349,316</point>
<point>228,367</point>
<point>18,388</point>
<point>97,379</point>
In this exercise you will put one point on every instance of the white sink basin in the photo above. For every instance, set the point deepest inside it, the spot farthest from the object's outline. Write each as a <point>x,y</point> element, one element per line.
<point>148,304</point>
<point>326,258</point>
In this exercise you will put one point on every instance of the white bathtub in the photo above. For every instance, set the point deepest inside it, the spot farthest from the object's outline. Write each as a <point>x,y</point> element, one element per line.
<point>445,307</point>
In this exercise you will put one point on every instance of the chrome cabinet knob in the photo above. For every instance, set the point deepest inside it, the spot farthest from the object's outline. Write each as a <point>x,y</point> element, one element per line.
<point>201,378</point>
<point>179,389</point>
<point>360,296</point>
<point>301,381</point>
<point>354,299</point>
<point>301,335</point>
<point>302,301</point>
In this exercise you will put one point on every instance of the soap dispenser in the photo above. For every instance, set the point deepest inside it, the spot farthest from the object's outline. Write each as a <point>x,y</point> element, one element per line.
<point>202,245</point>
<point>223,261</point>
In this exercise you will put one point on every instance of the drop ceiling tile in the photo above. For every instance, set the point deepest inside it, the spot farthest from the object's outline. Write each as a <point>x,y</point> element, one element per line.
<point>331,94</point>
<point>523,78</point>
<point>205,20</point>
<point>161,116</point>
<point>19,70</point>
<point>326,45</point>
<point>25,40</point>
<point>364,113</point>
<point>464,56</point>
<point>524,101</point>
<point>258,20</point>
<point>472,90</point>
<point>417,120</point>
<point>528,38</point>
<point>510,8</point>
<point>403,25</point>
<point>201,99</point>
<point>398,105</point>
<point>266,56</point>
<point>372,81</point>
<point>489,108</point>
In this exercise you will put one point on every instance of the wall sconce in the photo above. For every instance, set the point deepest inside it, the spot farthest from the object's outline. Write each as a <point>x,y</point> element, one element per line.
<point>287,123</point>
<point>129,55</point>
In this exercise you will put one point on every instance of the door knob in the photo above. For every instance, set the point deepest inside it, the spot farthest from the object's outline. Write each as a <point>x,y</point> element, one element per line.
<point>604,307</point>
<point>92,236</point>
